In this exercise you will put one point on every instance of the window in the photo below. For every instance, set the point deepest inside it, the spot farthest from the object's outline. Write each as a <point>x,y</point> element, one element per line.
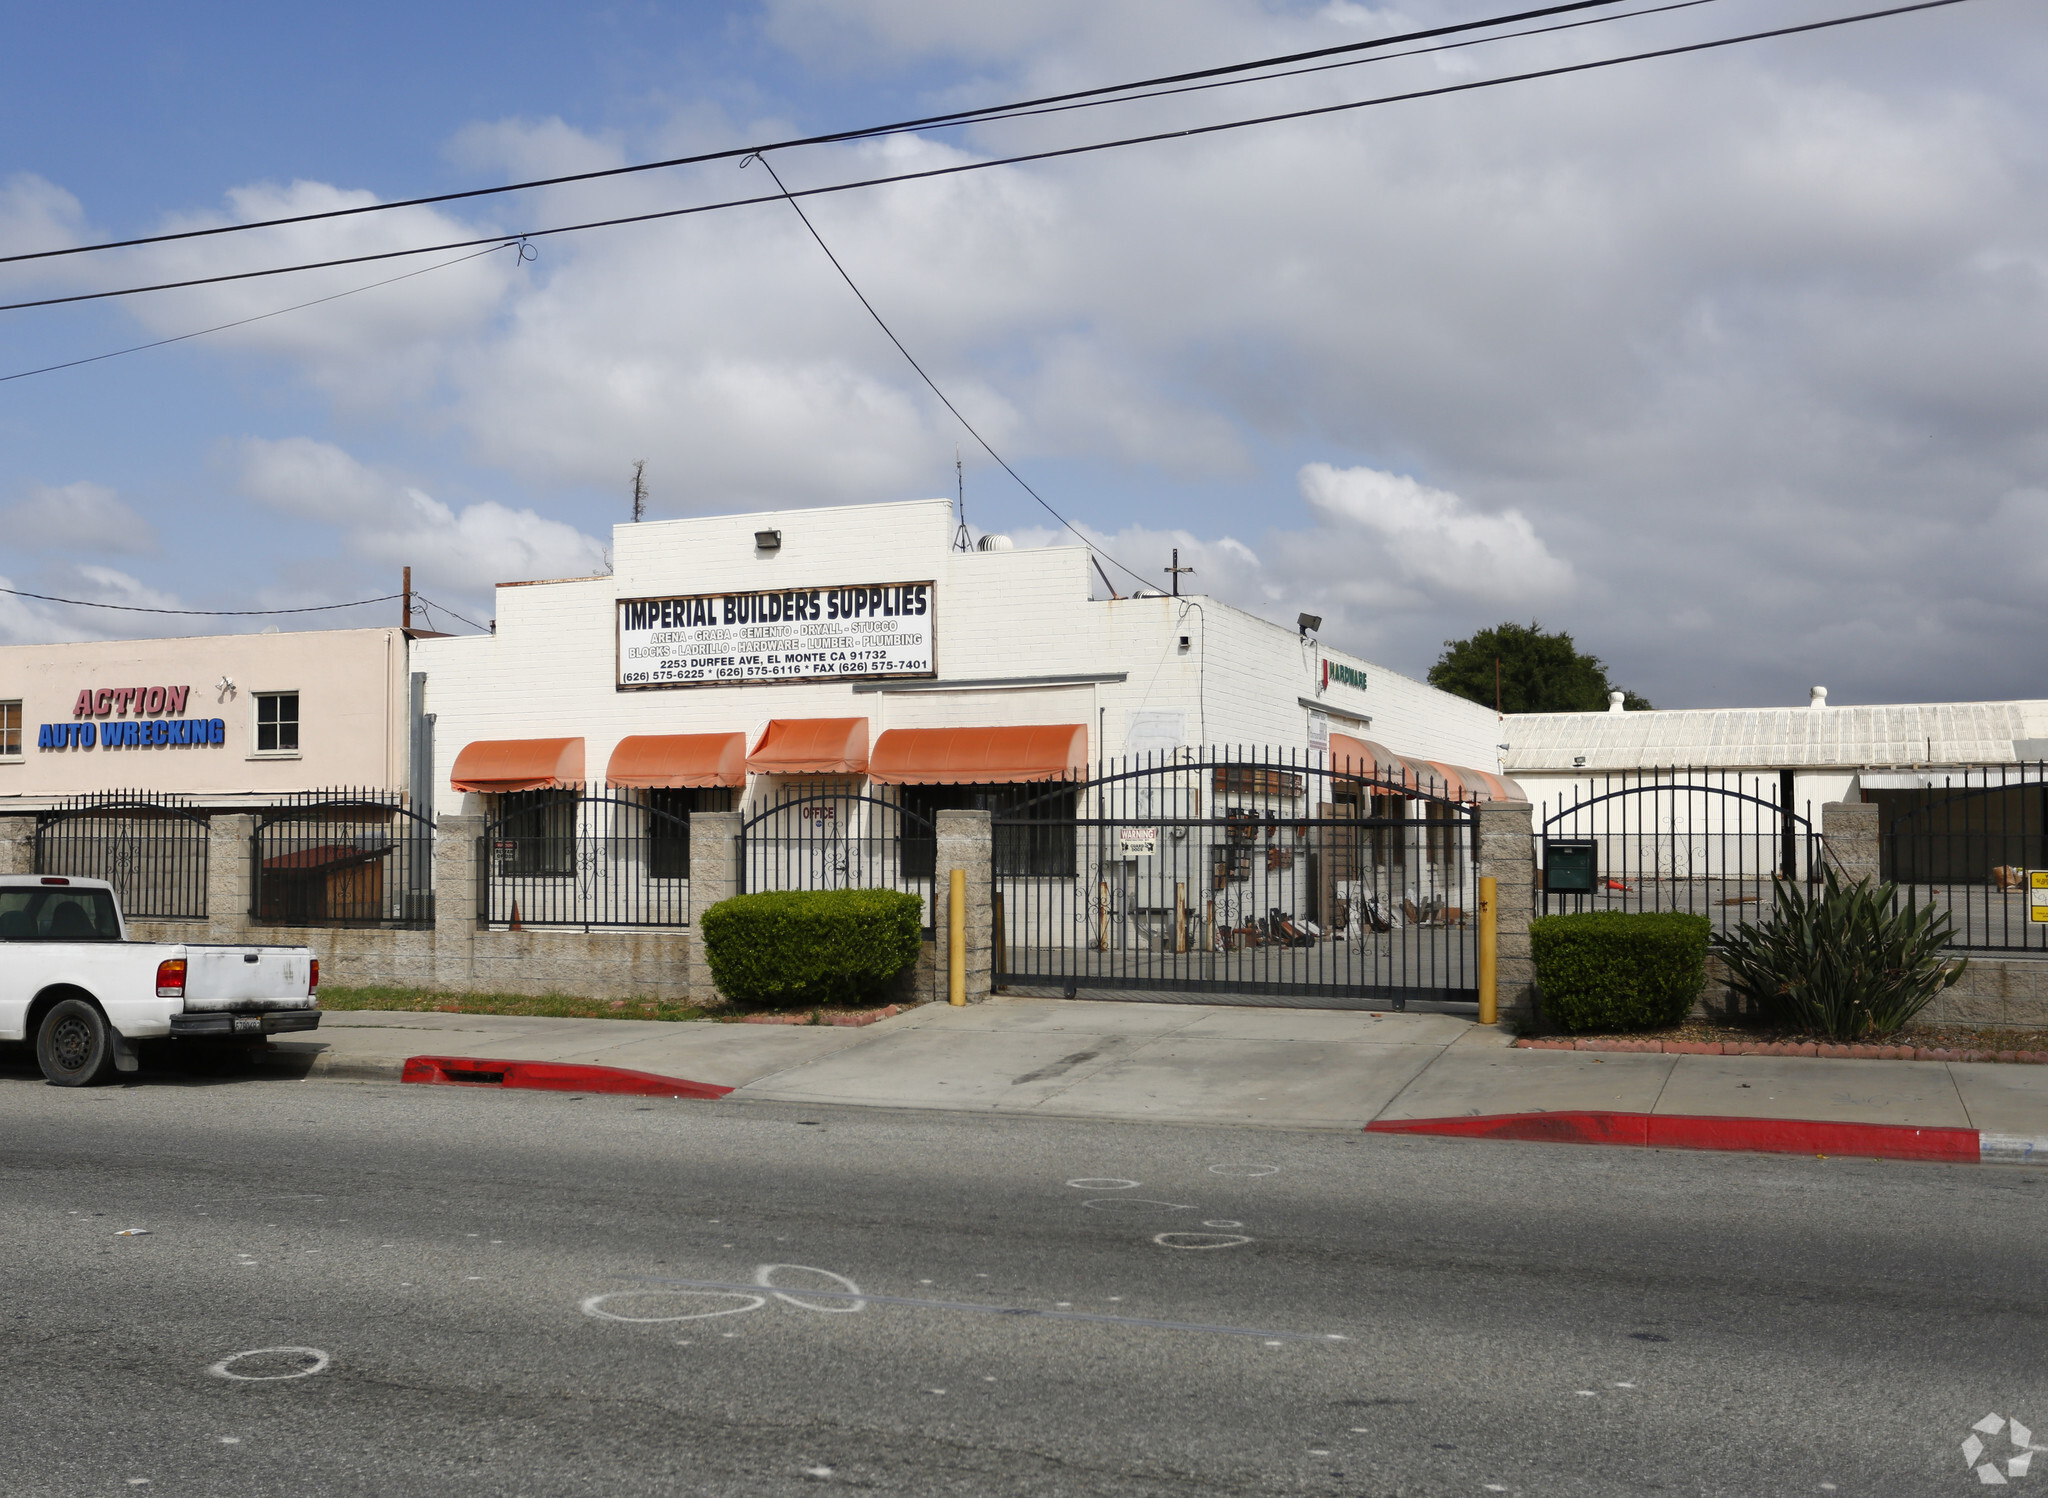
<point>10,730</point>
<point>536,832</point>
<point>668,844</point>
<point>1021,849</point>
<point>58,915</point>
<point>277,722</point>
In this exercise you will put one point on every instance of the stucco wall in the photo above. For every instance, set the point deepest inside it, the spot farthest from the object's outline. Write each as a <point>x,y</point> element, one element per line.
<point>353,725</point>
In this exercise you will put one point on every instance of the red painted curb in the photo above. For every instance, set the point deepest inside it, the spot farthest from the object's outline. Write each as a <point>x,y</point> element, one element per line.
<point>551,1076</point>
<point>1783,1136</point>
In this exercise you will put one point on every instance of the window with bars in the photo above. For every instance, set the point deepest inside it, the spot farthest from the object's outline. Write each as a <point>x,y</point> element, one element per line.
<point>1023,847</point>
<point>537,832</point>
<point>668,843</point>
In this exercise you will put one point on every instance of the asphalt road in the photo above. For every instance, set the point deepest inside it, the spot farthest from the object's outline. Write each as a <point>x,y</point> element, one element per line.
<point>492,1287</point>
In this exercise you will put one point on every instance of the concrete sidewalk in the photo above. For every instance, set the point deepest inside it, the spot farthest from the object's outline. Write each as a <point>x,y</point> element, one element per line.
<point>1283,1068</point>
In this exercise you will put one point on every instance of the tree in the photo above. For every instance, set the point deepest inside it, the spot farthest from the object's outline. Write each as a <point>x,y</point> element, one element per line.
<point>1539,673</point>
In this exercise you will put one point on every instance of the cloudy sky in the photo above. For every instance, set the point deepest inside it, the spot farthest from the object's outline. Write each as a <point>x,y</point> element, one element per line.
<point>1732,364</point>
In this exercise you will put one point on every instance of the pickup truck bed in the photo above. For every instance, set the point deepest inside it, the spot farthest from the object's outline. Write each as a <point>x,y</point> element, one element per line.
<point>72,982</point>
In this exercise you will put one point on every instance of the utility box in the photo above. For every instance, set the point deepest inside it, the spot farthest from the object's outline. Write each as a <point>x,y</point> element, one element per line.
<point>1570,866</point>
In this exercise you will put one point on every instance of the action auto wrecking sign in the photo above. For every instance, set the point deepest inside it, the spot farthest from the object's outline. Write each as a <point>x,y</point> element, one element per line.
<point>809,634</point>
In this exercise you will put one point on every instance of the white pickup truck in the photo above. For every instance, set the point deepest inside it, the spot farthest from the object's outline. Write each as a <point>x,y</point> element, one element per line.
<point>72,981</point>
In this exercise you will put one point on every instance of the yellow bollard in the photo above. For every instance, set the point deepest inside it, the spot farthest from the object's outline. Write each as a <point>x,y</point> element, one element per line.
<point>1489,953</point>
<point>956,941</point>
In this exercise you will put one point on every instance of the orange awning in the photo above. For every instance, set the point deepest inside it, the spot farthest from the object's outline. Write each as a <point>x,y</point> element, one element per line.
<point>812,746</point>
<point>497,765</point>
<point>980,756</point>
<point>666,761</point>
<point>1428,777</point>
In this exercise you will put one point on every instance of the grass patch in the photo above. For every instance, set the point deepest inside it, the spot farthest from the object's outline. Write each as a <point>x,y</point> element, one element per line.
<point>542,1006</point>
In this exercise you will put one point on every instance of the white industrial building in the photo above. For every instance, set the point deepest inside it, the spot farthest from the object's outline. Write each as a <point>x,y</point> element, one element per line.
<point>755,672</point>
<point>745,662</point>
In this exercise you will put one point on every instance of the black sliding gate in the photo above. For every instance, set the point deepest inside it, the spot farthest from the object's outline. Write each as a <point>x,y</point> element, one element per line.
<point>1232,879</point>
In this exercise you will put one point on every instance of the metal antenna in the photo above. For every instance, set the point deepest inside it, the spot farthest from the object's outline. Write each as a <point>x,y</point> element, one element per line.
<point>961,540</point>
<point>1176,570</point>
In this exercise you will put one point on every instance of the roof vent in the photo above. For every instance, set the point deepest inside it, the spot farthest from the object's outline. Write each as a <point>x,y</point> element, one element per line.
<point>993,542</point>
<point>1615,701</point>
<point>1816,696</point>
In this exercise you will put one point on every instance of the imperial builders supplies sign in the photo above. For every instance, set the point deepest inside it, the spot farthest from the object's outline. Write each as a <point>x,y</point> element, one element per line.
<point>812,634</point>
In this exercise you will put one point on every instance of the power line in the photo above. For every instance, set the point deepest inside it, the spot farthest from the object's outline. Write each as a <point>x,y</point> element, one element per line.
<point>953,117</point>
<point>944,400</point>
<point>451,613</point>
<point>136,608</point>
<point>245,321</point>
<point>1024,157</point>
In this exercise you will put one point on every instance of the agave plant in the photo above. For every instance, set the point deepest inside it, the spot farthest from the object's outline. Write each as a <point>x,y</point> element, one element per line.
<point>1846,961</point>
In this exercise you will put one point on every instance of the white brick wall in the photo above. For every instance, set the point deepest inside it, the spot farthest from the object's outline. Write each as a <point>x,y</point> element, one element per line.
<point>549,670</point>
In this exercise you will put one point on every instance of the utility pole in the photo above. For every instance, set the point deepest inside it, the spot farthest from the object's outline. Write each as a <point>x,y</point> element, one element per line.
<point>639,490</point>
<point>1176,569</point>
<point>408,599</point>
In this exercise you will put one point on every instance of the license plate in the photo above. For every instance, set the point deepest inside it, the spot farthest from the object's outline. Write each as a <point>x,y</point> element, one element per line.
<point>249,1026</point>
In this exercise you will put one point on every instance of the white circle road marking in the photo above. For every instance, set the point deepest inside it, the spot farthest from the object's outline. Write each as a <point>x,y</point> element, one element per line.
<point>1216,1240</point>
<point>1102,1183</point>
<point>594,1305</point>
<point>1220,1222</point>
<point>764,1276</point>
<point>1244,1170</point>
<point>1138,1201</point>
<point>224,1368</point>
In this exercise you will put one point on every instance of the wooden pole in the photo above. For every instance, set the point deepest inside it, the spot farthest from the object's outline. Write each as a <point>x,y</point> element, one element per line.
<point>1180,916</point>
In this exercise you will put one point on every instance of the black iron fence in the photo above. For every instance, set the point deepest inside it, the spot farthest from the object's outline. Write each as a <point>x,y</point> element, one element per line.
<point>342,858</point>
<point>1973,843</point>
<point>587,859</point>
<point>151,848</point>
<point>1708,842</point>
<point>834,837</point>
<point>1238,872</point>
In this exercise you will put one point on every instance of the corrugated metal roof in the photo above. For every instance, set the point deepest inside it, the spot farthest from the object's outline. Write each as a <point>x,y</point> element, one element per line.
<point>1944,733</point>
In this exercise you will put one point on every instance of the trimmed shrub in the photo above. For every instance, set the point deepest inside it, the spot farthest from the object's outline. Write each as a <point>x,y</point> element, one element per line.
<point>825,946</point>
<point>1848,962</point>
<point>1617,970</point>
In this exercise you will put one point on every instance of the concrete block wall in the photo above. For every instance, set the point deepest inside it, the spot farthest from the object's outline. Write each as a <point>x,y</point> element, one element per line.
<point>455,955</point>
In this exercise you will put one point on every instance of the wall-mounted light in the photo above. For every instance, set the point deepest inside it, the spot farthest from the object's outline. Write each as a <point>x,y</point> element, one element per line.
<point>1184,642</point>
<point>1309,622</point>
<point>768,540</point>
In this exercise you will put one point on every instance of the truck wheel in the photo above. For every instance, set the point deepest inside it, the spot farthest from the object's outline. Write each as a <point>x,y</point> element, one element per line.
<point>75,1045</point>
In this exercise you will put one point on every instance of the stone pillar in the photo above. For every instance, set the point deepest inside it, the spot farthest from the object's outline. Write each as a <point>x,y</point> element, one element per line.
<point>229,847</point>
<point>967,842</point>
<point>714,876</point>
<point>1849,838</point>
<point>455,902</point>
<point>17,845</point>
<point>1507,852</point>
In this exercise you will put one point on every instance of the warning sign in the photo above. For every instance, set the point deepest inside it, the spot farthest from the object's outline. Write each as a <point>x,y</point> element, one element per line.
<point>2037,895</point>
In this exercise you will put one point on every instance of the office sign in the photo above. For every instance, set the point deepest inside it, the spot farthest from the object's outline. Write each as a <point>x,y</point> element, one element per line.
<point>861,632</point>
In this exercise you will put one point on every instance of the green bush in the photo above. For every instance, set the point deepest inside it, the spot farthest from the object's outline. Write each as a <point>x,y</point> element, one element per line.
<point>810,946</point>
<point>1615,970</point>
<point>1847,963</point>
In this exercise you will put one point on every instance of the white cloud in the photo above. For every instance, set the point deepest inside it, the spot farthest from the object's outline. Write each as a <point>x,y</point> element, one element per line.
<point>1433,539</point>
<point>1391,566</point>
<point>79,516</point>
<point>389,521</point>
<point>1752,337</point>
